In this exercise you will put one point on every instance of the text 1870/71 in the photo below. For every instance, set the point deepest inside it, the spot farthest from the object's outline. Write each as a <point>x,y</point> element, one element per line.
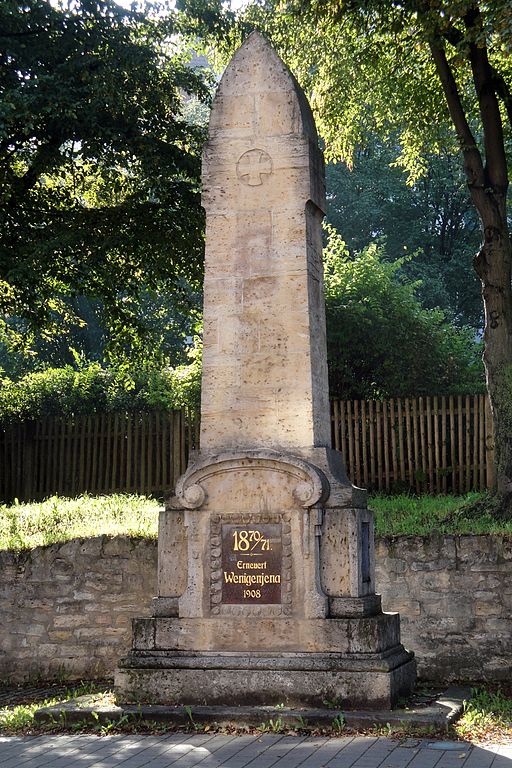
<point>248,541</point>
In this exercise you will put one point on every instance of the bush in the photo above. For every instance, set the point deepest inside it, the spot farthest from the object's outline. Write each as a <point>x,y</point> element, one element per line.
<point>381,342</point>
<point>94,389</point>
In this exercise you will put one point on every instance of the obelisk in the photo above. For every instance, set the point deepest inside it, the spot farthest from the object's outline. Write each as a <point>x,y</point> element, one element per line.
<point>266,587</point>
<point>265,360</point>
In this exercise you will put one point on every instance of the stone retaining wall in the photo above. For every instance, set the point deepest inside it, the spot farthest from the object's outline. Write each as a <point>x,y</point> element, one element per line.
<point>454,595</point>
<point>66,608</point>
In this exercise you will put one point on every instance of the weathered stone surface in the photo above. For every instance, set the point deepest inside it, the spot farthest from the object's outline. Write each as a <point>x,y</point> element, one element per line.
<point>325,558</point>
<point>451,592</point>
<point>66,608</point>
<point>269,534</point>
<point>368,635</point>
<point>348,688</point>
<point>265,366</point>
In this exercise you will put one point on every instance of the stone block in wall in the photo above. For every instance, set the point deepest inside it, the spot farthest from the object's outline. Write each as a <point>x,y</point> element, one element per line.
<point>67,608</point>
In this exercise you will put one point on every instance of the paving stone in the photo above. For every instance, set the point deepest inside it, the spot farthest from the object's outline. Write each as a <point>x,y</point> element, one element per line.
<point>185,750</point>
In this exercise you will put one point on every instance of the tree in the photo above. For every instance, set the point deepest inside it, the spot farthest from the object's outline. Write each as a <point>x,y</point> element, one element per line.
<point>380,341</point>
<point>99,169</point>
<point>431,221</point>
<point>429,70</point>
<point>165,337</point>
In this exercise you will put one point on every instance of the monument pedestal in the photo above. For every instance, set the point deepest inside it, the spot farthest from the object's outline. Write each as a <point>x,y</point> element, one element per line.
<point>269,610</point>
<point>349,681</point>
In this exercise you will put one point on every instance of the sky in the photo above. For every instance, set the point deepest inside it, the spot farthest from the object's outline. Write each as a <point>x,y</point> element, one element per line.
<point>233,4</point>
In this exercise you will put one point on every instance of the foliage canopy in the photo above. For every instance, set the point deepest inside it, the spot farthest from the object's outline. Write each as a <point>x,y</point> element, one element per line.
<point>93,389</point>
<point>431,222</point>
<point>99,169</point>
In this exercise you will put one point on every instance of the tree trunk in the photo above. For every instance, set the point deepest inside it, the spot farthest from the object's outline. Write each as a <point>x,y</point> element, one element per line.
<point>493,265</point>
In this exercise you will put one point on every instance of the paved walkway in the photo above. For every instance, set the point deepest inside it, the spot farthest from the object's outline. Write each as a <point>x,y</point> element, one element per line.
<point>182,750</point>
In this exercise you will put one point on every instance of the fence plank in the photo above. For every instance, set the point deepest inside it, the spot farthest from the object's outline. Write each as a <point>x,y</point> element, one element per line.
<point>408,438</point>
<point>437,447</point>
<point>444,464</point>
<point>175,448</point>
<point>108,443</point>
<point>123,428</point>
<point>460,444</point>
<point>158,456</point>
<point>416,442</point>
<point>343,430</point>
<point>482,429</point>
<point>467,437</point>
<point>385,427</point>
<point>75,436</point>
<point>101,454</point>
<point>378,420</point>
<point>453,461</point>
<point>141,463</point>
<point>336,423</point>
<point>164,442</point>
<point>393,438</point>
<point>488,443</point>
<point>430,455</point>
<point>364,443</point>
<point>350,438</point>
<point>357,452</point>
<point>421,412</point>
<point>115,449</point>
<point>401,450</point>
<point>371,417</point>
<point>183,445</point>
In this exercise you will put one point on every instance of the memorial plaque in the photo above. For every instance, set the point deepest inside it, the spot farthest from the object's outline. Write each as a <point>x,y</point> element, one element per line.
<point>251,564</point>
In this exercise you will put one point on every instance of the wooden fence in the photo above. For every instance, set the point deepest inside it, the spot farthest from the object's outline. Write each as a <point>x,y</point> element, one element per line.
<point>428,444</point>
<point>102,453</point>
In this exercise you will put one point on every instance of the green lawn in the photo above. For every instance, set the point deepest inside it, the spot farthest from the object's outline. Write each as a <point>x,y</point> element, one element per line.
<point>23,526</point>
<point>418,516</point>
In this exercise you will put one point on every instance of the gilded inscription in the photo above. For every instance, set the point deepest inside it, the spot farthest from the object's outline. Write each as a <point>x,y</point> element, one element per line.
<point>251,564</point>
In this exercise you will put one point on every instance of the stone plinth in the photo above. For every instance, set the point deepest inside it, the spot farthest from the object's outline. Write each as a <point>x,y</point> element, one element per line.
<point>274,601</point>
<point>266,566</point>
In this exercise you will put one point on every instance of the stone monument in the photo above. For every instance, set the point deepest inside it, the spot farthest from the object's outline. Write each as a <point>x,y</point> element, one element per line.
<point>266,589</point>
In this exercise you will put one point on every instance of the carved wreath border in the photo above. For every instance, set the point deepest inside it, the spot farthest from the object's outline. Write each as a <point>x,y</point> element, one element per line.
<point>217,608</point>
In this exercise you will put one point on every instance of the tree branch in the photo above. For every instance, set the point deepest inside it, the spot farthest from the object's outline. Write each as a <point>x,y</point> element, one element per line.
<point>473,164</point>
<point>495,155</point>
<point>43,156</point>
<point>25,33</point>
<point>455,37</point>
<point>503,92</point>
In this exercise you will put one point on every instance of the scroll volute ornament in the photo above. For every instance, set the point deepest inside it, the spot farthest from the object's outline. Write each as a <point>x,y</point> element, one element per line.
<point>312,487</point>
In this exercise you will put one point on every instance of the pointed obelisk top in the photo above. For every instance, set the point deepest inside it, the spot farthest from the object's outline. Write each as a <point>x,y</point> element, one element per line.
<point>256,69</point>
<point>264,364</point>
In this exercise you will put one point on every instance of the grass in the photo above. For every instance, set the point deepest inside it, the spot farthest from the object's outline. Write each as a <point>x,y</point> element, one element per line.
<point>24,526</point>
<point>20,718</point>
<point>487,716</point>
<point>419,516</point>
